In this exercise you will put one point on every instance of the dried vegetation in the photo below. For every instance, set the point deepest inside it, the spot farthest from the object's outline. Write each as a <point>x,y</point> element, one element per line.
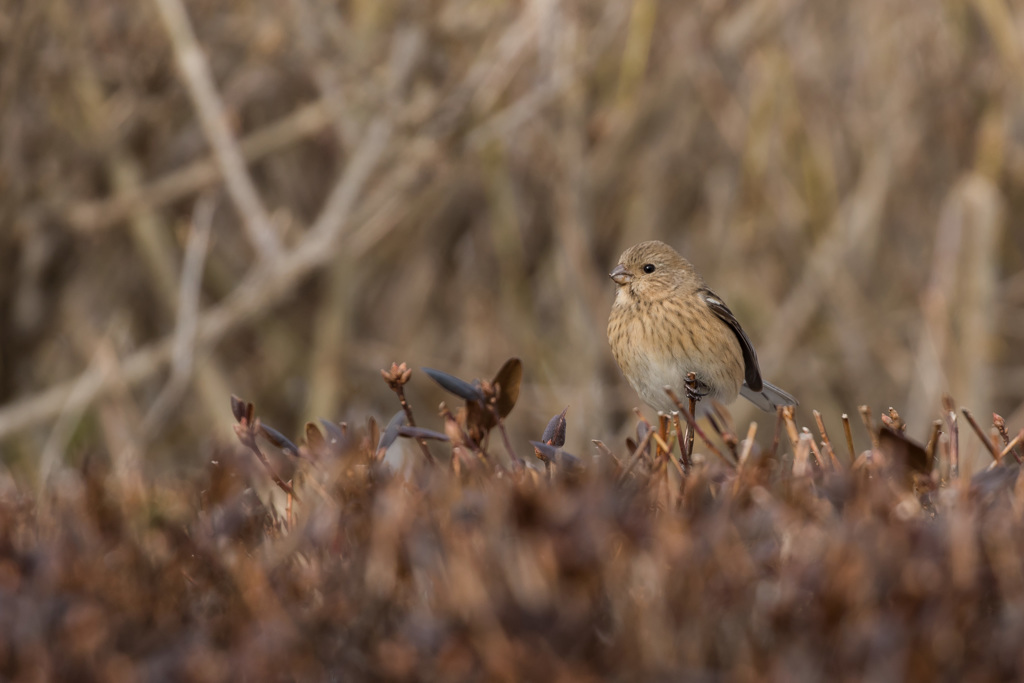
<point>475,562</point>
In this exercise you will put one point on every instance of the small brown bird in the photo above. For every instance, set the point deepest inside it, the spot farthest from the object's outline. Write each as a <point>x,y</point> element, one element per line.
<point>665,323</point>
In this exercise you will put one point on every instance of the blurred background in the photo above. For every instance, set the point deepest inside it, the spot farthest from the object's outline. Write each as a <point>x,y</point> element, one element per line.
<point>278,199</point>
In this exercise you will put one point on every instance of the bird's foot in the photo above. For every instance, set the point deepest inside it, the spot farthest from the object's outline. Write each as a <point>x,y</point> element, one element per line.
<point>695,389</point>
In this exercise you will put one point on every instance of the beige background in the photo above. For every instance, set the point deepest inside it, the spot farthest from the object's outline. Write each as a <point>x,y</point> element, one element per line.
<point>448,183</point>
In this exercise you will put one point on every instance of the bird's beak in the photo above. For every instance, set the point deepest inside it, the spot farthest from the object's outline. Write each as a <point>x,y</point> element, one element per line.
<point>621,275</point>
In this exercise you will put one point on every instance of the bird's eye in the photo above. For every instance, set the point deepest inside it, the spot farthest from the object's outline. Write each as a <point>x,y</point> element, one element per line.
<point>649,268</point>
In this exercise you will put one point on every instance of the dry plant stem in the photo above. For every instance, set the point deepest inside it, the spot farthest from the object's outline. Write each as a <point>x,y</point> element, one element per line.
<point>826,443</point>
<point>693,428</point>
<point>676,463</point>
<point>637,454</point>
<point>684,460</point>
<point>400,392</point>
<point>897,421</point>
<point>662,435</point>
<point>724,430</point>
<point>981,434</point>
<point>865,416</point>
<point>465,440</point>
<point>247,435</point>
<point>605,451</point>
<point>195,71</point>
<point>748,444</point>
<point>1011,447</point>
<point>791,431</point>
<point>837,466</point>
<point>517,463</point>
<point>664,447</point>
<point>814,448</point>
<point>800,451</point>
<point>954,436</point>
<point>849,437</point>
<point>821,429</point>
<point>647,425</point>
<point>773,453</point>
<point>1000,424</point>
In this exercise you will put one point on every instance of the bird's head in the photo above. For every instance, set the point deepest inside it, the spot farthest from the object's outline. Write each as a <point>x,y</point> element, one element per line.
<point>650,271</point>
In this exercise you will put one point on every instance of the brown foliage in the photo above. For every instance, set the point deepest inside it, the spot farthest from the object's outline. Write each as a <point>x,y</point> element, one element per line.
<point>772,567</point>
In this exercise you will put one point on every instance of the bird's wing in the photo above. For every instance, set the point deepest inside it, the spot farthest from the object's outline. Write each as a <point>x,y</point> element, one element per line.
<point>752,371</point>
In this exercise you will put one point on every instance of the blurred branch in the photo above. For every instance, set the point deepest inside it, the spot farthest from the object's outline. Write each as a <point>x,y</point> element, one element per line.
<point>268,283</point>
<point>184,340</point>
<point>152,240</point>
<point>199,81</point>
<point>68,407</point>
<point>309,28</point>
<point>305,121</point>
<point>857,217</point>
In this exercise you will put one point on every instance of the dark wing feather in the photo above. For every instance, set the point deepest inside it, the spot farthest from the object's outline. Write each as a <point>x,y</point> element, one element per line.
<point>752,371</point>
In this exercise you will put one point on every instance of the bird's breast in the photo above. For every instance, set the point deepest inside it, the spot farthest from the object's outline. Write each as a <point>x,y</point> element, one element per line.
<point>657,343</point>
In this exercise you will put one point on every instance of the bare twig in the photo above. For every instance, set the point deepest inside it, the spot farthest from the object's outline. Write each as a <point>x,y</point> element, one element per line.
<point>664,446</point>
<point>788,413</point>
<point>684,457</point>
<point>637,454</point>
<point>694,428</point>
<point>869,425</point>
<point>247,435</point>
<point>1000,424</point>
<point>195,71</point>
<point>981,434</point>
<point>517,462</point>
<point>778,428</point>
<point>954,435</point>
<point>605,451</point>
<point>70,412</point>
<point>663,421</point>
<point>1011,446</point>
<point>396,378</point>
<point>721,422</point>
<point>184,337</point>
<point>303,122</point>
<point>800,451</point>
<point>263,287</point>
<point>748,444</point>
<point>849,437</point>
<point>814,448</point>
<point>826,443</point>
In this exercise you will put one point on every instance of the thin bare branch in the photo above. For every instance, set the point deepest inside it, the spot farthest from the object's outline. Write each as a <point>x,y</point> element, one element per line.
<point>266,285</point>
<point>305,121</point>
<point>195,71</point>
<point>184,337</point>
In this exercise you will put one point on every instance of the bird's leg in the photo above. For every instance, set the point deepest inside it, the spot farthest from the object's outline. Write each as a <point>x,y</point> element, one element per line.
<point>695,391</point>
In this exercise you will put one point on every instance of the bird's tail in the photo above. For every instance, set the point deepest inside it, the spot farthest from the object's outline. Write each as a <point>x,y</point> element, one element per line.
<point>769,398</point>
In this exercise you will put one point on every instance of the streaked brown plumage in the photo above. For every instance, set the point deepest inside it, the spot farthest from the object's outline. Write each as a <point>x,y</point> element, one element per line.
<point>666,322</point>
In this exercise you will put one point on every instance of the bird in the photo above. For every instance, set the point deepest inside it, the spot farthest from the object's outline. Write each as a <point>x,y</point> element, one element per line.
<point>666,322</point>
